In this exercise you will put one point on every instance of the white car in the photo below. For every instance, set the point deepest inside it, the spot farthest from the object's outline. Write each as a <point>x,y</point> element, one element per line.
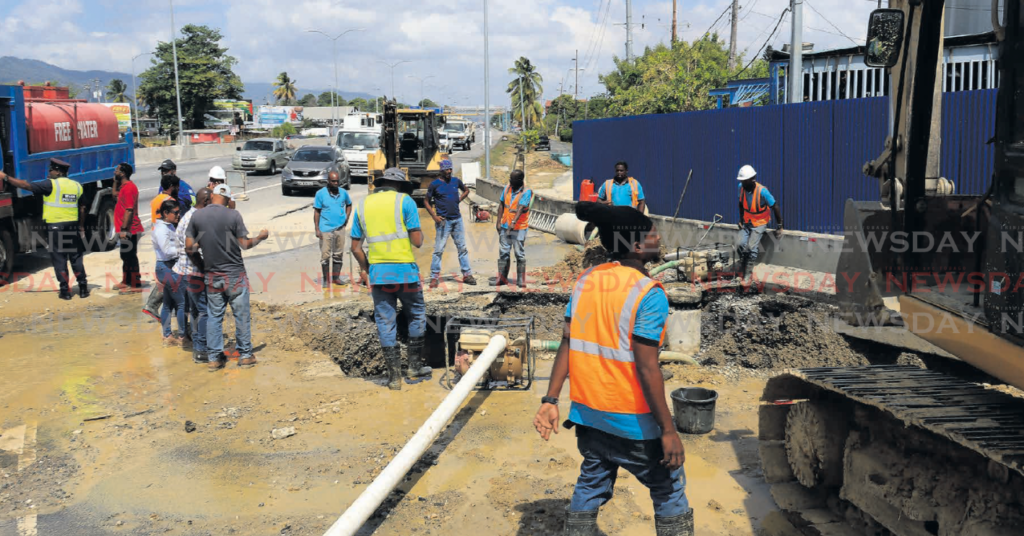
<point>445,142</point>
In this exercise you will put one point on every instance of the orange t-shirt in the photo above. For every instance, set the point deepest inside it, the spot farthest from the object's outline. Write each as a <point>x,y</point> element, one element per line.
<point>154,206</point>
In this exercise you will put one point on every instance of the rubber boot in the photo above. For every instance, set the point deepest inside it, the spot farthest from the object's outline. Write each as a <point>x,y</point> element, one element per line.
<point>582,524</point>
<point>83,291</point>
<point>503,269</point>
<point>521,275</point>
<point>152,308</point>
<point>680,525</point>
<point>336,275</point>
<point>393,361</point>
<point>325,281</point>
<point>418,369</point>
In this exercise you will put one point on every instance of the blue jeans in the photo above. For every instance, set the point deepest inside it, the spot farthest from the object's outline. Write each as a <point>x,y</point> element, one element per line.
<point>507,240</point>
<point>750,240</point>
<point>222,290</point>
<point>457,230</point>
<point>385,311</point>
<point>195,296</point>
<point>174,297</point>
<point>604,453</point>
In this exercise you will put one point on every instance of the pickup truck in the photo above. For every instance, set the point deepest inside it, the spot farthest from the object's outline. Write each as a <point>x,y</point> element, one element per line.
<point>262,154</point>
<point>41,122</point>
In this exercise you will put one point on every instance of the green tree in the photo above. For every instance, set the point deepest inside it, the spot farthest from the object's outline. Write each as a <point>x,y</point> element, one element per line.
<point>308,99</point>
<point>205,73</point>
<point>427,103</point>
<point>283,130</point>
<point>284,89</point>
<point>362,104</point>
<point>524,90</point>
<point>116,91</point>
<point>324,99</point>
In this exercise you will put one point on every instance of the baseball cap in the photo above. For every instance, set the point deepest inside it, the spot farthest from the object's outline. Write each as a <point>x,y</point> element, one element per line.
<point>222,189</point>
<point>217,173</point>
<point>167,165</point>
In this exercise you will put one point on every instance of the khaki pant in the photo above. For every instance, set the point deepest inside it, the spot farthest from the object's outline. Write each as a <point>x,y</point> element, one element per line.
<point>332,247</point>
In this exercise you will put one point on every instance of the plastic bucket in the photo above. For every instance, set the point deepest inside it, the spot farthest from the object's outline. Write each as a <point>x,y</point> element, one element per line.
<point>694,409</point>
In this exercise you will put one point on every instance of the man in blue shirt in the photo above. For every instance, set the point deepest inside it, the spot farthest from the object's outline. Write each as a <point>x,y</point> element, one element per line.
<point>442,202</point>
<point>390,270</point>
<point>332,208</point>
<point>614,325</point>
<point>186,195</point>
<point>755,202</point>
<point>625,190</point>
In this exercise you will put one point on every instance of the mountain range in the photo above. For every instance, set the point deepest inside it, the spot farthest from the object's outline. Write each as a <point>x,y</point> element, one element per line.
<point>35,71</point>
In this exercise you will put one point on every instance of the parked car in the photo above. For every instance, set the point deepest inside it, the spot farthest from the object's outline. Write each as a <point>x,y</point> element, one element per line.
<point>543,144</point>
<point>444,141</point>
<point>309,167</point>
<point>262,154</point>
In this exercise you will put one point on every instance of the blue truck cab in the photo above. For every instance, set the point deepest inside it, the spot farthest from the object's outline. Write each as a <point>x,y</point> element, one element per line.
<point>39,123</point>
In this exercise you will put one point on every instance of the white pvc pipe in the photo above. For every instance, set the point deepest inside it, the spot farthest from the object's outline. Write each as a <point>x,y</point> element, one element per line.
<point>364,506</point>
<point>570,229</point>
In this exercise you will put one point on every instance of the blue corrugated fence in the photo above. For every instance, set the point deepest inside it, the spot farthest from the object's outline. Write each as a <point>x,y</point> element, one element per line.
<point>828,141</point>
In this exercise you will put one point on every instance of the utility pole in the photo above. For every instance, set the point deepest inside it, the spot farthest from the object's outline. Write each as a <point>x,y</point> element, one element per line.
<point>487,101</point>
<point>177,85</point>
<point>135,94</point>
<point>629,31</point>
<point>522,106</point>
<point>675,8</point>
<point>577,60</point>
<point>795,73</point>
<point>732,34</point>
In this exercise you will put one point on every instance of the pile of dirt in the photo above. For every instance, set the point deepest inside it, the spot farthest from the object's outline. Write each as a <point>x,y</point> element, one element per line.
<point>776,332</point>
<point>575,262</point>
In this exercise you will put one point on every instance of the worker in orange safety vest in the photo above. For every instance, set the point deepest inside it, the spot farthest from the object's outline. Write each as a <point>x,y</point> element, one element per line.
<point>755,202</point>
<point>614,325</point>
<point>512,223</point>
<point>623,190</point>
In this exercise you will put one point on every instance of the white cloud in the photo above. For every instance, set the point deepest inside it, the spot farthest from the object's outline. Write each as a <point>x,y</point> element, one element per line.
<point>443,38</point>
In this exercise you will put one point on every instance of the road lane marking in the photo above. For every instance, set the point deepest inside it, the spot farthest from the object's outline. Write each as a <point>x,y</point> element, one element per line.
<point>27,525</point>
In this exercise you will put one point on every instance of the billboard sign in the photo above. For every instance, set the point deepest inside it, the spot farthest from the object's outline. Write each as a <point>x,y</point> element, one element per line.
<point>123,111</point>
<point>273,116</point>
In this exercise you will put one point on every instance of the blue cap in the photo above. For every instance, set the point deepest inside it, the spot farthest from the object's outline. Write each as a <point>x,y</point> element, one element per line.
<point>446,164</point>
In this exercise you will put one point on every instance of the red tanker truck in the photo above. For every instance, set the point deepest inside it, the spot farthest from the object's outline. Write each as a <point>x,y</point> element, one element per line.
<point>42,122</point>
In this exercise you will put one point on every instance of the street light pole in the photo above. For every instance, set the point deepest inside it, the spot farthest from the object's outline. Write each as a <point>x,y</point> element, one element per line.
<point>376,100</point>
<point>135,94</point>
<point>487,100</point>
<point>334,92</point>
<point>177,85</point>
<point>422,95</point>
<point>392,67</point>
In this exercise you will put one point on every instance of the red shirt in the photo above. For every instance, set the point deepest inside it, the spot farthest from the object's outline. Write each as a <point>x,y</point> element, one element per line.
<point>128,197</point>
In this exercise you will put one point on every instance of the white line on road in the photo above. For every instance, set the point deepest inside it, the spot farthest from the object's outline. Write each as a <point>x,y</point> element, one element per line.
<point>27,525</point>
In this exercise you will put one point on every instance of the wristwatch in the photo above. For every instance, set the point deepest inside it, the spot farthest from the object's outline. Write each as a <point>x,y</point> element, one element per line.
<point>549,400</point>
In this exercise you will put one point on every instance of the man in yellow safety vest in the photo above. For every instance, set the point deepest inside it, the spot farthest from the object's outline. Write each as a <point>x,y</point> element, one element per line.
<point>64,215</point>
<point>388,221</point>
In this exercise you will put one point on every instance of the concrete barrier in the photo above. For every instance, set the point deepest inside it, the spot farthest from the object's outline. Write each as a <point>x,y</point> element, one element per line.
<point>806,251</point>
<point>184,153</point>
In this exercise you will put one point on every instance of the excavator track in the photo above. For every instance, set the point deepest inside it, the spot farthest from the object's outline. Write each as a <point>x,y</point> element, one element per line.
<point>893,450</point>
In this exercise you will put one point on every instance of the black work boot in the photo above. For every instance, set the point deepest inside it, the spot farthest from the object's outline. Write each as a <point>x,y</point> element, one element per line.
<point>418,369</point>
<point>680,525</point>
<point>582,524</point>
<point>502,279</point>
<point>199,357</point>
<point>521,275</point>
<point>83,291</point>
<point>65,294</point>
<point>393,361</point>
<point>326,279</point>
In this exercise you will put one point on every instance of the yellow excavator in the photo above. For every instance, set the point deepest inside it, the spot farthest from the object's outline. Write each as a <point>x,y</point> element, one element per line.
<point>408,140</point>
<point>902,450</point>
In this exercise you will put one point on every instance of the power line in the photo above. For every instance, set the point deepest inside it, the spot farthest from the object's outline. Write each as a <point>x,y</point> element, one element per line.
<point>713,24</point>
<point>758,55</point>
<point>830,23</point>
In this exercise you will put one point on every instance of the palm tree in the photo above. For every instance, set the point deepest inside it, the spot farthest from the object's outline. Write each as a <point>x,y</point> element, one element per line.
<point>528,81</point>
<point>284,89</point>
<point>116,91</point>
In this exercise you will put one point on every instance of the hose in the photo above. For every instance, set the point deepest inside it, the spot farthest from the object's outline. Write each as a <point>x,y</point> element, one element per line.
<point>678,357</point>
<point>661,268</point>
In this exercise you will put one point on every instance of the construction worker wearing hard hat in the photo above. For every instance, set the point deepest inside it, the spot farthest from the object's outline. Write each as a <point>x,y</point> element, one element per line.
<point>389,222</point>
<point>755,202</point>
<point>219,176</point>
<point>623,190</point>
<point>64,214</point>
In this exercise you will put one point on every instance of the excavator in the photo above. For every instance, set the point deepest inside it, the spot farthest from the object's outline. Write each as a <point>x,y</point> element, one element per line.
<point>408,141</point>
<point>918,451</point>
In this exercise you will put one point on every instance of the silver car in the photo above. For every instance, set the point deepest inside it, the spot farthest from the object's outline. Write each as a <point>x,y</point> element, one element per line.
<point>309,167</point>
<point>263,154</point>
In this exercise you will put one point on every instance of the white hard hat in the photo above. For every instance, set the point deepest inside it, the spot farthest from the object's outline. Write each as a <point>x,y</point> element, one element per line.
<point>217,172</point>
<point>746,173</point>
<point>222,189</point>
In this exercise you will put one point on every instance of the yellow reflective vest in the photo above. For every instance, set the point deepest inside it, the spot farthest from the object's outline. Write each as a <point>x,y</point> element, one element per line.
<point>380,215</point>
<point>62,204</point>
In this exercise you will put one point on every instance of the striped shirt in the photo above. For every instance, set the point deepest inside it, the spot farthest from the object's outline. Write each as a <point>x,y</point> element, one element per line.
<point>184,266</point>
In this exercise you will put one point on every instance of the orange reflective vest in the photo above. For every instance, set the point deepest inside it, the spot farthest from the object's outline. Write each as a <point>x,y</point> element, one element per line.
<point>634,190</point>
<point>511,206</point>
<point>603,373</point>
<point>755,210</point>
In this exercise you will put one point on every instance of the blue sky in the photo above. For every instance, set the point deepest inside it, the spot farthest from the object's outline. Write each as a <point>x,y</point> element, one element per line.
<point>441,38</point>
